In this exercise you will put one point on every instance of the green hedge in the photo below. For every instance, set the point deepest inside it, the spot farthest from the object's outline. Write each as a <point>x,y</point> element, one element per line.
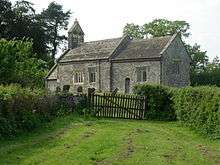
<point>196,107</point>
<point>23,109</point>
<point>159,103</point>
<point>199,108</point>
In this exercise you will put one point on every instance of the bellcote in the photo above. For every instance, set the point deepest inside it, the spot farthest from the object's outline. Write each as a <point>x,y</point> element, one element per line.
<point>75,35</point>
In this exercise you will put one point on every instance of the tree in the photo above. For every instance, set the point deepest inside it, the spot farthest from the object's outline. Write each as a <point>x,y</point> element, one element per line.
<point>216,62</point>
<point>55,19</point>
<point>163,27</point>
<point>199,58</point>
<point>134,31</point>
<point>17,64</point>
<point>7,62</point>
<point>24,51</point>
<point>28,25</point>
<point>209,76</point>
<point>19,22</point>
<point>6,18</point>
<point>157,28</point>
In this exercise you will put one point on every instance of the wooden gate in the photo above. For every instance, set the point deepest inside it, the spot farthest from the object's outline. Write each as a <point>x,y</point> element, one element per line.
<point>118,105</point>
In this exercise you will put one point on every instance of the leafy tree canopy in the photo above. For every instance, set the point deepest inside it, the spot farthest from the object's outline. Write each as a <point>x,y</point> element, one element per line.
<point>20,21</point>
<point>163,27</point>
<point>134,31</point>
<point>18,65</point>
<point>199,58</point>
<point>157,28</point>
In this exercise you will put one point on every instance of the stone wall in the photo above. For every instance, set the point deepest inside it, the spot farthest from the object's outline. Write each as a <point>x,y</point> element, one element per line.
<point>105,76</point>
<point>53,75</point>
<point>176,55</point>
<point>51,85</point>
<point>66,72</point>
<point>172,70</point>
<point>121,71</point>
<point>51,82</point>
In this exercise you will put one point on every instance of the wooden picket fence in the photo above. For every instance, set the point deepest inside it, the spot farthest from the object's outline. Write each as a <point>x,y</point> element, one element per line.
<point>118,105</point>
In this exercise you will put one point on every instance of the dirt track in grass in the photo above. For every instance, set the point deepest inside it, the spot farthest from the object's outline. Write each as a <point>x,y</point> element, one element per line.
<point>74,140</point>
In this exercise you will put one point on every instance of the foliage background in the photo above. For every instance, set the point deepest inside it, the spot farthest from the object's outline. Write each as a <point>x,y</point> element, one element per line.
<point>18,64</point>
<point>196,107</point>
<point>23,109</point>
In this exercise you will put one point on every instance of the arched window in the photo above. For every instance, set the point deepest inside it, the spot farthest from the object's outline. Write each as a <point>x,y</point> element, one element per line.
<point>78,77</point>
<point>92,74</point>
<point>142,73</point>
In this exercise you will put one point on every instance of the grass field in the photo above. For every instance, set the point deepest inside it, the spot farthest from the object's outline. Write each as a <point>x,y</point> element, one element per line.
<point>74,140</point>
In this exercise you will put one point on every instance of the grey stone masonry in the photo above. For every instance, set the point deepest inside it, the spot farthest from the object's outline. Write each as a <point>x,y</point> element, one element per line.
<point>175,65</point>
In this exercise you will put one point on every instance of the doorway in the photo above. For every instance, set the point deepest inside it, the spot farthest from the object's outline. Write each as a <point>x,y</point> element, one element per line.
<point>127,85</point>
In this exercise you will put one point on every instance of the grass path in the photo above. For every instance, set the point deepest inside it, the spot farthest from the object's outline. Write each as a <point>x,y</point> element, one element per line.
<point>73,140</point>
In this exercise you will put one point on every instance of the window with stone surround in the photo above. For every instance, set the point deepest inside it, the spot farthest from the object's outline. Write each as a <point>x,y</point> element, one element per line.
<point>78,77</point>
<point>92,74</point>
<point>142,73</point>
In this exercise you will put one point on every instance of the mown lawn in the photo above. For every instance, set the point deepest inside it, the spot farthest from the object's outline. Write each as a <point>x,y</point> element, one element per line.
<point>74,140</point>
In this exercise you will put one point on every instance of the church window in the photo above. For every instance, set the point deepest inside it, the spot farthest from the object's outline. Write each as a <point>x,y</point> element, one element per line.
<point>92,74</point>
<point>78,77</point>
<point>142,74</point>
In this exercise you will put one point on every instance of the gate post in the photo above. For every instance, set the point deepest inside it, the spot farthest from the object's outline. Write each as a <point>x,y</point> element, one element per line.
<point>145,106</point>
<point>90,98</point>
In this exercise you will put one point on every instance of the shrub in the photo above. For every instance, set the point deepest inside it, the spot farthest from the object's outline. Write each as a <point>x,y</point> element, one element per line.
<point>196,107</point>
<point>66,88</point>
<point>199,108</point>
<point>206,78</point>
<point>23,109</point>
<point>18,64</point>
<point>159,103</point>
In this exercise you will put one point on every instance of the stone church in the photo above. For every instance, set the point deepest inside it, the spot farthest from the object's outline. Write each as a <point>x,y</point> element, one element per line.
<point>119,63</point>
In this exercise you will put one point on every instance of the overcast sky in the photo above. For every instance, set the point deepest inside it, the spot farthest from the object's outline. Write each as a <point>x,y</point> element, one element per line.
<point>101,19</point>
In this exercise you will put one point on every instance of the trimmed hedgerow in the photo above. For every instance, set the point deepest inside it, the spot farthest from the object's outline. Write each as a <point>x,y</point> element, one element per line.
<point>159,103</point>
<point>196,107</point>
<point>199,108</point>
<point>23,109</point>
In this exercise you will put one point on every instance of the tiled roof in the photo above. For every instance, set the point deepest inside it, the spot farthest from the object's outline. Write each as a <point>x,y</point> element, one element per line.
<point>132,49</point>
<point>92,50</point>
<point>76,28</point>
<point>146,48</point>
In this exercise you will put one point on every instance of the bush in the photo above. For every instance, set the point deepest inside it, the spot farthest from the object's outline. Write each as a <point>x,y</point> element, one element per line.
<point>206,78</point>
<point>66,88</point>
<point>159,103</point>
<point>18,64</point>
<point>23,109</point>
<point>196,107</point>
<point>199,108</point>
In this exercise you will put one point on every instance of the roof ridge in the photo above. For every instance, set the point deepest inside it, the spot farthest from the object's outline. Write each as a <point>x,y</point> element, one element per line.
<point>169,43</point>
<point>103,40</point>
<point>124,40</point>
<point>51,70</point>
<point>152,38</point>
<point>56,62</point>
<point>75,25</point>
